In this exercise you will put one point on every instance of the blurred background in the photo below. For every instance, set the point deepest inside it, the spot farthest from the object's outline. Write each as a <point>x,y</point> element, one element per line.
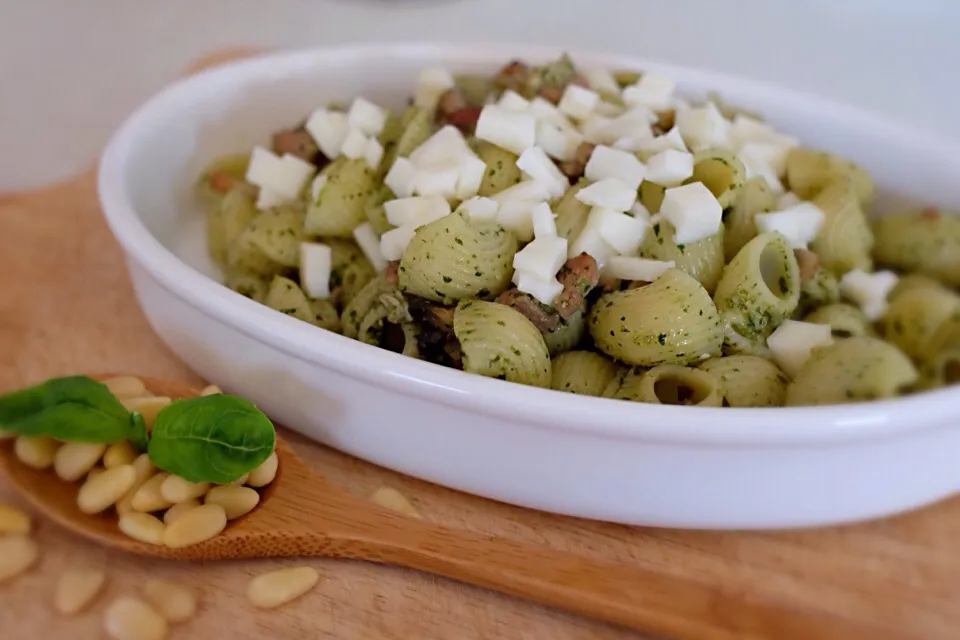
<point>71,70</point>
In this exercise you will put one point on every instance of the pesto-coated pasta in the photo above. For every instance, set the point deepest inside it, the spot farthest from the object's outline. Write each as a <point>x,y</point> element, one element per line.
<point>748,381</point>
<point>339,207</point>
<point>386,322</point>
<point>367,300</point>
<point>720,171</point>
<point>672,384</point>
<point>286,297</point>
<point>740,226</point>
<point>418,125</point>
<point>502,171</point>
<point>325,315</point>
<point>913,318</point>
<point>251,285</point>
<point>759,289</point>
<point>567,334</point>
<point>454,258</point>
<point>845,240</point>
<point>374,211</point>
<point>703,260</point>
<point>912,281</point>
<point>583,372</point>
<point>941,369</point>
<point>226,220</point>
<point>845,320</point>
<point>277,233</point>
<point>810,170</point>
<point>499,342</point>
<point>350,271</point>
<point>669,321</point>
<point>851,370</point>
<point>925,241</point>
<point>651,195</point>
<point>820,289</point>
<point>571,213</point>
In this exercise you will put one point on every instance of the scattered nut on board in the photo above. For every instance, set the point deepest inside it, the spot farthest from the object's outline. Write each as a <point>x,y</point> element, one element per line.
<point>17,554</point>
<point>175,602</point>
<point>77,589</point>
<point>129,618</point>
<point>390,498</point>
<point>277,588</point>
<point>13,520</point>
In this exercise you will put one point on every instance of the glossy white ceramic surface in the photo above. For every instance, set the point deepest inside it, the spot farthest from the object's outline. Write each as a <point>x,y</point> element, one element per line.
<point>596,458</point>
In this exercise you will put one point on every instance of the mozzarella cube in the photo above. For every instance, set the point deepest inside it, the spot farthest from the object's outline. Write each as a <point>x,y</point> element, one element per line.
<point>328,129</point>
<point>543,257</point>
<point>400,178</point>
<point>544,290</point>
<point>509,130</point>
<point>606,162</point>
<point>479,208</point>
<point>635,142</point>
<point>517,216</point>
<point>608,109</point>
<point>544,222</point>
<point>703,127</point>
<point>634,122</point>
<point>431,84</point>
<point>758,159</point>
<point>745,129</point>
<point>265,167</point>
<point>394,242</point>
<point>369,243</point>
<point>438,181</point>
<point>282,177</point>
<point>373,153</point>
<point>416,211</point>
<point>316,261</point>
<point>590,242</point>
<point>267,199</point>
<point>354,145</point>
<point>793,341</point>
<point>670,167</point>
<point>537,166</point>
<point>577,102</point>
<point>602,81</point>
<point>799,224</point>
<point>670,140</point>
<point>513,101</point>
<point>621,231</point>
<point>316,187</point>
<point>868,290</point>
<point>594,130</point>
<point>367,117</point>
<point>651,90</point>
<point>787,200</point>
<point>470,176</point>
<point>529,191</point>
<point>609,193</point>
<point>640,212</point>
<point>693,211</point>
<point>446,145</point>
<point>556,142</point>
<point>639,269</point>
<point>296,172</point>
<point>546,111</point>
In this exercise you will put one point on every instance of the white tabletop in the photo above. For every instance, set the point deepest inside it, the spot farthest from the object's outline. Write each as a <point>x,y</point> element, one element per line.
<point>72,70</point>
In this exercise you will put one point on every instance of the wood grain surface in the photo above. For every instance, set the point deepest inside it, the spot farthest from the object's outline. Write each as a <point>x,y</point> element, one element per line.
<point>66,306</point>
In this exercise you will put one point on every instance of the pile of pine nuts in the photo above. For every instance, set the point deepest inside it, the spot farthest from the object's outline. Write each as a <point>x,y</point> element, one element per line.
<point>153,506</point>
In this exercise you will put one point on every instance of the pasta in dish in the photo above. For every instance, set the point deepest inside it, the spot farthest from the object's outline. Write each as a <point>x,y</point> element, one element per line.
<point>592,232</point>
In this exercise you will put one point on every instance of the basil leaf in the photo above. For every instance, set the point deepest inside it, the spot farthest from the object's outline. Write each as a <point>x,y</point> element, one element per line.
<point>138,432</point>
<point>74,408</point>
<point>215,438</point>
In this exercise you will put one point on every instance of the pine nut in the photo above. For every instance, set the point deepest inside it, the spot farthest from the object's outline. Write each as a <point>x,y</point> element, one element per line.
<point>196,526</point>
<point>75,459</point>
<point>17,554</point>
<point>390,498</point>
<point>173,514</point>
<point>148,407</point>
<point>176,489</point>
<point>144,469</point>
<point>236,501</point>
<point>123,387</point>
<point>119,453</point>
<point>277,588</point>
<point>93,473</point>
<point>13,520</point>
<point>211,390</point>
<point>242,480</point>
<point>7,435</point>
<point>129,618</point>
<point>173,601</point>
<point>104,490</point>
<point>36,451</point>
<point>76,589</point>
<point>148,496</point>
<point>142,526</point>
<point>265,473</point>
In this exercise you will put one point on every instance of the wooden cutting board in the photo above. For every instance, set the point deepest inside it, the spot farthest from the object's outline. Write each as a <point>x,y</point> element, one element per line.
<point>66,306</point>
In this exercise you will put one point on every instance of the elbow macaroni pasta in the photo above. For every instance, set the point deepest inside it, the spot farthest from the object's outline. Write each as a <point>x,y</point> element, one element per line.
<point>703,260</point>
<point>845,320</point>
<point>739,222</point>
<point>339,206</point>
<point>845,240</point>
<point>499,342</point>
<point>748,381</point>
<point>583,372</point>
<point>921,241</point>
<point>672,384</point>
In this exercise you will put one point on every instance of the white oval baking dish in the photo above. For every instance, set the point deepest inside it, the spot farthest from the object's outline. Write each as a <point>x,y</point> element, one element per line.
<point>595,458</point>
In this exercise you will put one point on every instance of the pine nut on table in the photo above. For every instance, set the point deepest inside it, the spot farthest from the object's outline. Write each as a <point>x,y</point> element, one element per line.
<point>13,520</point>
<point>129,618</point>
<point>173,601</point>
<point>77,588</point>
<point>17,554</point>
<point>277,588</point>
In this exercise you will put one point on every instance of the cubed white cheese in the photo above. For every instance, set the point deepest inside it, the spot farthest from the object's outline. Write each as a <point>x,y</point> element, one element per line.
<point>546,291</point>
<point>509,130</point>
<point>437,181</point>
<point>602,81</point>
<point>556,142</point>
<point>608,109</point>
<point>517,216</point>
<point>693,211</point>
<point>594,130</point>
<point>544,222</point>
<point>513,101</point>
<point>632,268</point>
<point>446,145</point>
<point>758,159</point>
<point>621,231</point>
<point>793,341</point>
<point>283,177</point>
<point>316,261</point>
<point>367,117</point>
<point>868,290</point>
<point>529,191</point>
<point>578,102</point>
<point>267,199</point>
<point>670,140</point>
<point>635,121</point>
<point>640,212</point>
<point>416,211</point>
<point>395,241</point>
<point>373,153</point>
<point>296,173</point>
<point>328,129</point>
<point>669,167</point>
<point>745,129</point>
<point>536,165</point>
<point>606,162</point>
<point>369,243</point>
<point>635,142</point>
<point>470,176</point>
<point>590,242</point>
<point>264,168</point>
<point>354,145</point>
<point>608,194</point>
<point>543,257</point>
<point>787,200</point>
<point>703,127</point>
<point>651,90</point>
<point>546,111</point>
<point>799,224</point>
<point>480,208</point>
<point>400,178</point>
<point>431,84</point>
<point>316,187</point>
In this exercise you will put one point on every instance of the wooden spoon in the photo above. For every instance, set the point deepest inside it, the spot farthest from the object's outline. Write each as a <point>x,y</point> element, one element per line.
<point>301,514</point>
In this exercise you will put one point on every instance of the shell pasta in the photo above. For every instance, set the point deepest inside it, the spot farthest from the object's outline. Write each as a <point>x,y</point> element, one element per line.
<point>593,233</point>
